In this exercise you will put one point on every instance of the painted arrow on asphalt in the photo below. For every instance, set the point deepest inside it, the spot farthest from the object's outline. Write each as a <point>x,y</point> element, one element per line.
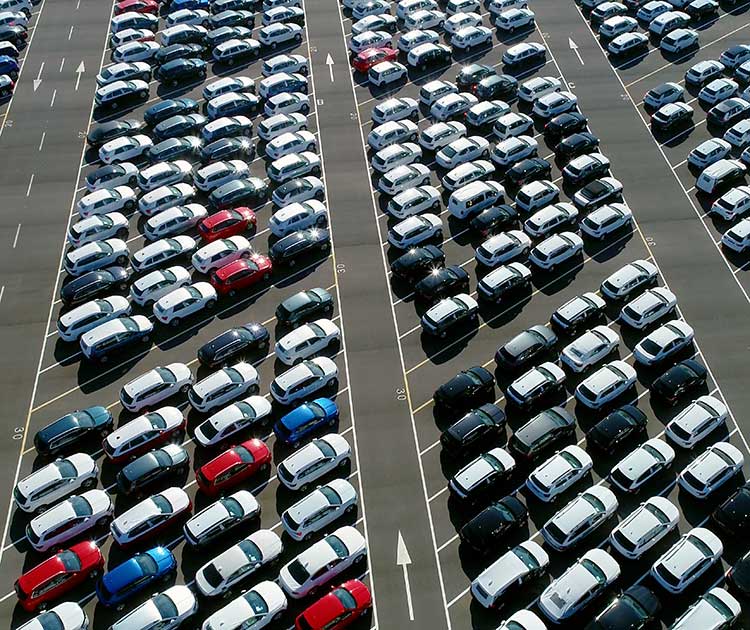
<point>79,71</point>
<point>329,63</point>
<point>403,559</point>
<point>574,47</point>
<point>38,80</point>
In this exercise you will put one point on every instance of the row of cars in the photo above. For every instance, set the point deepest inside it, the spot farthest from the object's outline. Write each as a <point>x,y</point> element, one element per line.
<point>15,16</point>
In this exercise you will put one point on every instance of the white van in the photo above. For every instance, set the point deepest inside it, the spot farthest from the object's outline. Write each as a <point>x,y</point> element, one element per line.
<point>475,197</point>
<point>719,175</point>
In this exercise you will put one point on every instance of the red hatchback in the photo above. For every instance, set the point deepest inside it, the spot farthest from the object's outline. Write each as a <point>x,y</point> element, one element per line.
<point>241,274</point>
<point>234,465</point>
<point>139,6</point>
<point>55,576</point>
<point>226,223</point>
<point>373,56</point>
<point>338,609</point>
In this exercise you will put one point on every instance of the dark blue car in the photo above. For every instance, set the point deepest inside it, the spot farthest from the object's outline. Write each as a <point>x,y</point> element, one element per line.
<point>9,66</point>
<point>134,575</point>
<point>305,420</point>
<point>72,427</point>
<point>176,5</point>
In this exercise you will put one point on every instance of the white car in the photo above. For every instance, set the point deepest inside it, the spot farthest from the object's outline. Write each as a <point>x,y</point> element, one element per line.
<point>471,37</point>
<point>463,150</point>
<point>65,616</point>
<point>257,607</point>
<point>679,40</point>
<point>514,19</point>
<point>399,154</point>
<point>85,317</point>
<point>555,250</point>
<point>96,255</point>
<point>642,464</point>
<point>550,218</point>
<point>466,173</point>
<point>149,516</point>
<point>579,518</point>
<point>154,285</point>
<point>304,379</point>
<point>385,73</point>
<point>498,280</point>
<point>513,569</point>
<point>128,439</point>
<point>696,421</point>
<point>606,384</point>
<point>188,16</point>
<point>424,19</point>
<point>441,134</point>
<point>285,103</point>
<point>221,516</point>
<point>606,219</point>
<point>645,526</point>
<point>647,308</point>
<point>415,230</point>
<point>106,200</point>
<point>210,177</point>
<point>714,610</point>
<point>482,473</point>
<point>521,54</point>
<point>238,562</point>
<point>298,216</point>
<point>174,220</point>
<point>395,108</point>
<point>135,51</point>
<point>290,142</point>
<point>711,469</point>
<point>540,380</point>
<point>590,348</point>
<point>165,197</point>
<point>95,343</point>
<point>270,128</point>
<point>664,342</point>
<point>225,85</point>
<point>314,460</point>
<point>581,583</point>
<point>74,516</point>
<point>512,125</point>
<point>403,177</point>
<point>232,419</point>
<point>381,22</point>
<point>559,472</point>
<point>628,43</point>
<point>111,176</point>
<point>98,228</point>
<point>294,165</point>
<point>130,35</point>
<point>158,252</point>
<point>617,25</point>
<point>536,87</point>
<point>125,148</point>
<point>367,8</point>
<point>124,71</point>
<point>413,39</point>
<point>319,509</point>
<point>183,302</point>
<point>503,247</point>
<point>163,611</point>
<point>55,481</point>
<point>163,174</point>
<point>514,149</point>
<point>738,135</point>
<point>155,386</point>
<point>536,195</point>
<point>628,279</point>
<point>369,39</point>
<point>414,201</point>
<point>279,33</point>
<point>285,63</point>
<point>224,386</point>
<point>430,92</point>
<point>391,132</point>
<point>553,104</point>
<point>306,341</point>
<point>452,105</point>
<point>664,93</point>
<point>221,252</point>
<point>323,562</point>
<point>737,238</point>
<point>708,152</point>
<point>458,21</point>
<point>718,90</point>
<point>485,113</point>
<point>522,620</point>
<point>689,558</point>
<point>733,203</point>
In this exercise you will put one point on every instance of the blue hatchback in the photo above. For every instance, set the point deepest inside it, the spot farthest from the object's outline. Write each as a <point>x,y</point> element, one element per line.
<point>306,419</point>
<point>189,4</point>
<point>9,66</point>
<point>134,575</point>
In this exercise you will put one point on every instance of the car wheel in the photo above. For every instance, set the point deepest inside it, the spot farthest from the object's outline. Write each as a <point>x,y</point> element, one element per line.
<point>333,383</point>
<point>103,359</point>
<point>185,388</point>
<point>89,483</point>
<point>143,94</point>
<point>316,171</point>
<point>359,560</point>
<point>439,234</point>
<point>210,304</point>
<point>350,509</point>
<point>307,537</point>
<point>120,607</point>
<point>175,322</point>
<point>273,45</point>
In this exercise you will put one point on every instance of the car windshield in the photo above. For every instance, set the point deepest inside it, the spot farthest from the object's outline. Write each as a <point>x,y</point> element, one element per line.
<point>635,605</point>
<point>650,346</point>
<point>234,375</point>
<point>80,506</point>
<point>593,501</point>
<point>345,597</point>
<point>573,461</point>
<point>66,469</point>
<point>157,422</point>
<point>166,375</point>
<point>526,557</point>
<point>719,606</point>
<point>246,457</point>
<point>209,430</point>
<point>298,571</point>
<point>129,324</point>
<point>164,506</point>
<point>251,551</point>
<point>592,568</point>
<point>653,452</point>
<point>69,560</point>
<point>233,507</point>
<point>338,546</point>
<point>212,576</point>
<point>332,497</point>
<point>165,606</point>
<point>256,602</point>
<point>50,621</point>
<point>494,462</point>
<point>325,448</point>
<point>146,564</point>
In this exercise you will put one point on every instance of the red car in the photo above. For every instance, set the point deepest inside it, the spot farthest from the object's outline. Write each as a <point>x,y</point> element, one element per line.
<point>139,6</point>
<point>226,223</point>
<point>241,274</point>
<point>234,465</point>
<point>373,56</point>
<point>55,576</point>
<point>338,609</point>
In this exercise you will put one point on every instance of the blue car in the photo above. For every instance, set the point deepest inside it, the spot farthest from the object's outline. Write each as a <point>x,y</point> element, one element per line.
<point>305,420</point>
<point>68,430</point>
<point>176,5</point>
<point>9,66</point>
<point>134,575</point>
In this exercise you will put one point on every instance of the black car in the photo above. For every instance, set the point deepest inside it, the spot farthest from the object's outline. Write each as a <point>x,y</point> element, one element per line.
<point>578,314</point>
<point>73,427</point>
<point>223,34</point>
<point>418,262</point>
<point>636,608</point>
<point>227,149</point>
<point>287,250</point>
<point>232,5</point>
<point>181,70</point>
<point>617,427</point>
<point>174,149</point>
<point>471,75</point>
<point>678,380</point>
<point>435,56</point>
<point>733,516</point>
<point>107,131</point>
<point>233,343</point>
<point>479,427</point>
<point>157,465</point>
<point>544,431</point>
<point>167,108</point>
<point>700,9</point>
<point>564,125</point>
<point>232,17</point>
<point>239,192</point>
<point>103,174</point>
<point>236,105</point>
<point>494,219</point>
<point>466,390</point>
<point>305,306</point>
<point>94,284</point>
<point>528,170</point>
<point>442,282</point>
<point>728,112</point>
<point>175,52</point>
<point>496,86</point>
<point>738,577</point>
<point>575,145</point>
<point>16,35</point>
<point>180,125</point>
<point>483,533</point>
<point>525,348</point>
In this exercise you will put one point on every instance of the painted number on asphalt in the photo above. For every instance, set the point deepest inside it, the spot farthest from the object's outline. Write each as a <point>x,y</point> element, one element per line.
<point>353,115</point>
<point>340,268</point>
<point>8,123</point>
<point>400,393</point>
<point>319,101</point>
<point>650,241</point>
<point>18,433</point>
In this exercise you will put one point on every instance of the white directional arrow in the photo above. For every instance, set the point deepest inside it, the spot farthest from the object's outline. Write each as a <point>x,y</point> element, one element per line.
<point>38,81</point>
<point>404,560</point>
<point>574,47</point>
<point>79,71</point>
<point>329,63</point>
